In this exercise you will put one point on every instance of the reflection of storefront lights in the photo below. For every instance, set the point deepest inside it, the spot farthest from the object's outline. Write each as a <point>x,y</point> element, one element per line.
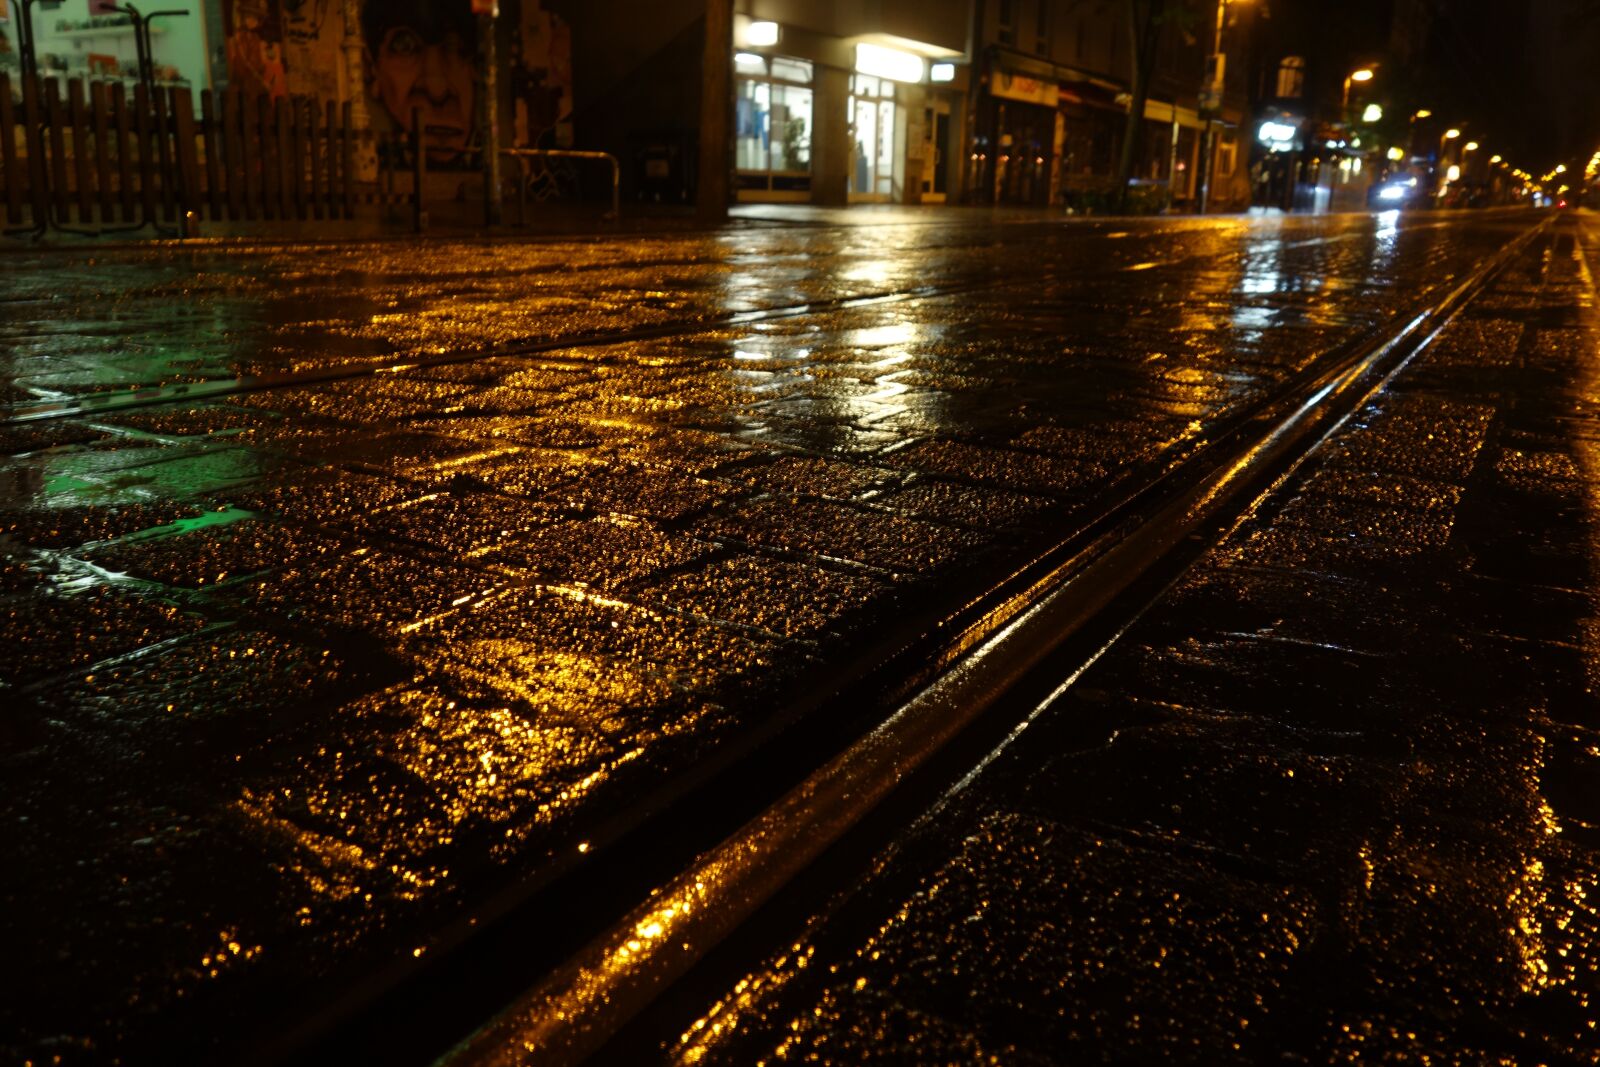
<point>1454,173</point>
<point>761,34</point>
<point>942,72</point>
<point>891,63</point>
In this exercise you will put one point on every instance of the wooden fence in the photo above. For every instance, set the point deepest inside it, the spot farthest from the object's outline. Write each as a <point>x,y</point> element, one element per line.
<point>99,157</point>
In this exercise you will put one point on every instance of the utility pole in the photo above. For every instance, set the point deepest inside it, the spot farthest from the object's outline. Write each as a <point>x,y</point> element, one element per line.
<point>974,187</point>
<point>716,106</point>
<point>356,90</point>
<point>488,12</point>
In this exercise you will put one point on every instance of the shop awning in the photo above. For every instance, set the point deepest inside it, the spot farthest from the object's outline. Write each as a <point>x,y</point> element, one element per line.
<point>1087,94</point>
<point>1160,111</point>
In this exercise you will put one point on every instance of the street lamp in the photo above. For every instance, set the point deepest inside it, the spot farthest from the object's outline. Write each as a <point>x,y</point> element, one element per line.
<point>1472,146</point>
<point>1362,75</point>
<point>1449,135</point>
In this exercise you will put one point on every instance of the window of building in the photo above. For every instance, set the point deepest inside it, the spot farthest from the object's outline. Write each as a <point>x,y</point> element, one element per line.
<point>1291,78</point>
<point>772,130</point>
<point>1007,32</point>
<point>1041,36</point>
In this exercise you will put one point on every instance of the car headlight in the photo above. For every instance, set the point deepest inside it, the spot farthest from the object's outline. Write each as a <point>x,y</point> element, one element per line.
<point>1392,192</point>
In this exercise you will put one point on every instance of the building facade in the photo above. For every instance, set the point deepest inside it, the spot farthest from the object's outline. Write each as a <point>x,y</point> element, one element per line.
<point>1055,82</point>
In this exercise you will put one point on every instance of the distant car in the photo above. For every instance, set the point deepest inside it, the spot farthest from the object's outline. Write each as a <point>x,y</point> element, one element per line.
<point>1397,191</point>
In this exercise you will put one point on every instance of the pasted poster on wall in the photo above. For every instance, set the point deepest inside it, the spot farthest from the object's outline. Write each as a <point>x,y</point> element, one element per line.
<point>541,80</point>
<point>417,56</point>
<point>255,47</point>
<point>313,32</point>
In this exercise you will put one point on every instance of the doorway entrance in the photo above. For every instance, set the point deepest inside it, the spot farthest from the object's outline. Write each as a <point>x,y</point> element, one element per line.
<point>876,140</point>
<point>936,152</point>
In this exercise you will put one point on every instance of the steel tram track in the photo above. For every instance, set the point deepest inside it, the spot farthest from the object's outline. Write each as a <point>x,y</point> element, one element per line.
<point>1094,589</point>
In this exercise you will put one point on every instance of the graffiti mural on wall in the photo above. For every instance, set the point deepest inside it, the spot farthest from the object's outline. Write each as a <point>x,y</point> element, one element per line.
<point>422,58</point>
<point>417,55</point>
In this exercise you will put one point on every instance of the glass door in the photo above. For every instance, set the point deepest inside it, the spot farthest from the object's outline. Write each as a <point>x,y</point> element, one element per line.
<point>874,163</point>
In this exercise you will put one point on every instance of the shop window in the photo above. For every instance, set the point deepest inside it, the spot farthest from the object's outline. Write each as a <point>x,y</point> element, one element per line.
<point>1291,78</point>
<point>773,123</point>
<point>791,70</point>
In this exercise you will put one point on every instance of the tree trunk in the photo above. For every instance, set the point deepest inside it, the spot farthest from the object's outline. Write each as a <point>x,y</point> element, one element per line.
<point>1145,36</point>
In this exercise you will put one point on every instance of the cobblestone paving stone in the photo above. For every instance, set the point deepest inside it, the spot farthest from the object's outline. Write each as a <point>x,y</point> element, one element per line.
<point>331,661</point>
<point>1331,801</point>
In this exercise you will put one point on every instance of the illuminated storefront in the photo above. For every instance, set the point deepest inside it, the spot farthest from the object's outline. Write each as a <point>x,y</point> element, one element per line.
<point>87,39</point>
<point>773,122</point>
<point>831,119</point>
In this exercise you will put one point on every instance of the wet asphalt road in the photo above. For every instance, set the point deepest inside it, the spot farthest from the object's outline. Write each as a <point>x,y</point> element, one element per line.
<point>525,533</point>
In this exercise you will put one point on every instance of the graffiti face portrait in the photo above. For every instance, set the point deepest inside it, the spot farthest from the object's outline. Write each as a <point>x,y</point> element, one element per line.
<point>422,56</point>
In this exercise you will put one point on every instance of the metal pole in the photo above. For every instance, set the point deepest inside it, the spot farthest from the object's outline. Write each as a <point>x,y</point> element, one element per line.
<point>716,107</point>
<point>490,111</point>
<point>419,172</point>
<point>355,92</point>
<point>1208,156</point>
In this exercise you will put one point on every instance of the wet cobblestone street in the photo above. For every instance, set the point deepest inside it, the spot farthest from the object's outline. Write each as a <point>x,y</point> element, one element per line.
<point>468,554</point>
<point>1332,801</point>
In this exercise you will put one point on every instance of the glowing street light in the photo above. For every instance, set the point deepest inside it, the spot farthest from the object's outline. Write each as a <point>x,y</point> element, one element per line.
<point>1423,114</point>
<point>1362,75</point>
<point>1472,146</point>
<point>1496,159</point>
<point>1451,134</point>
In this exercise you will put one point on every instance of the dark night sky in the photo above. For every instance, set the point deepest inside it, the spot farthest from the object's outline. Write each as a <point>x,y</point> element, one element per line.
<point>1523,76</point>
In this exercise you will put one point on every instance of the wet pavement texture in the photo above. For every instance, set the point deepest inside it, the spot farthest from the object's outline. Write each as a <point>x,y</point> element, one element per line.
<point>300,674</point>
<point>1331,800</point>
